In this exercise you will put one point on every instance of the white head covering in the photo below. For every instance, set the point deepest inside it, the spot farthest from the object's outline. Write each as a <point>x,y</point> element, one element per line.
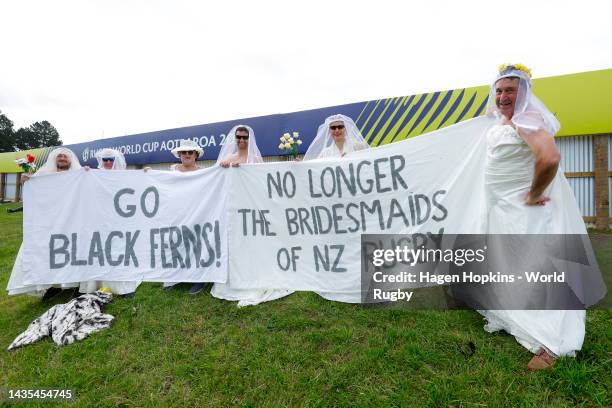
<point>530,113</point>
<point>187,146</point>
<point>323,144</point>
<point>118,163</point>
<point>51,167</point>
<point>230,147</point>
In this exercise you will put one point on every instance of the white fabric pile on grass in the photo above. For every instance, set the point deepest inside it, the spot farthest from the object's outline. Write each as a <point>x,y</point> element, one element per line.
<point>68,322</point>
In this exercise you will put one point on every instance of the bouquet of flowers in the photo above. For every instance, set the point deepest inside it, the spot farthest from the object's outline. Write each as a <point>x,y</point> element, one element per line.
<point>290,143</point>
<point>27,164</point>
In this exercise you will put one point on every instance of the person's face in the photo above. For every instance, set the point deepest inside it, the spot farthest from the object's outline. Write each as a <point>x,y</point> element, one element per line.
<point>506,91</point>
<point>62,162</point>
<point>337,131</point>
<point>189,157</point>
<point>107,162</point>
<point>242,139</point>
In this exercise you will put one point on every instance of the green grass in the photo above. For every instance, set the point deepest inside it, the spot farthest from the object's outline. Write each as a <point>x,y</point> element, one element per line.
<point>172,349</point>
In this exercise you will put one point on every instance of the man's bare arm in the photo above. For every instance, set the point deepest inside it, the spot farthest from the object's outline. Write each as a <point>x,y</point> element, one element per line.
<point>547,158</point>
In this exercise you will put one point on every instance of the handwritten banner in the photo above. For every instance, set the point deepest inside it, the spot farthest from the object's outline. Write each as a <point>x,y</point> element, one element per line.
<point>125,226</point>
<point>298,225</point>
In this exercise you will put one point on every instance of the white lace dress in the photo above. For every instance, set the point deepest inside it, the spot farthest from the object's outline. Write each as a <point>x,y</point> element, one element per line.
<point>508,176</point>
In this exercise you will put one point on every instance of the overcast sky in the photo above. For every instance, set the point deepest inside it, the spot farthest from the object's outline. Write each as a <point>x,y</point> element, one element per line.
<point>98,69</point>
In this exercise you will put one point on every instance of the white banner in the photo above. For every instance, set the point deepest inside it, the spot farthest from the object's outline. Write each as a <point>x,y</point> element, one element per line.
<point>130,225</point>
<point>297,225</point>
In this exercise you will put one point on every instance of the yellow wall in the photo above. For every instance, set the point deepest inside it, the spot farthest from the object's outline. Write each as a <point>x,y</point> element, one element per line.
<point>582,102</point>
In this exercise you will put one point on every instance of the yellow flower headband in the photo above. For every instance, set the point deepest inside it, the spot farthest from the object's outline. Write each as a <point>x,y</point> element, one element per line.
<point>518,67</point>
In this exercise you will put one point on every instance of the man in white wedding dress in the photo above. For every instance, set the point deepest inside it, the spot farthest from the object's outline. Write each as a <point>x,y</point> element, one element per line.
<point>240,147</point>
<point>521,177</point>
<point>59,160</point>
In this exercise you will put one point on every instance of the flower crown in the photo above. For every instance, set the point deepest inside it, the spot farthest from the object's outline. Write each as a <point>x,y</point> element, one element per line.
<point>518,67</point>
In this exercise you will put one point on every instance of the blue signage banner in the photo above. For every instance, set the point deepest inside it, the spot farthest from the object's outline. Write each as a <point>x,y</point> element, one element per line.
<point>155,147</point>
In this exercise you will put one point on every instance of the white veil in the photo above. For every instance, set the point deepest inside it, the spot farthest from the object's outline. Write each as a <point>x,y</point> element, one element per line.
<point>530,113</point>
<point>118,163</point>
<point>323,144</point>
<point>50,165</point>
<point>230,147</point>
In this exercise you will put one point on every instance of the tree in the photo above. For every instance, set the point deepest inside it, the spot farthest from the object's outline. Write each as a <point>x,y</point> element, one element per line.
<point>38,134</point>
<point>7,134</point>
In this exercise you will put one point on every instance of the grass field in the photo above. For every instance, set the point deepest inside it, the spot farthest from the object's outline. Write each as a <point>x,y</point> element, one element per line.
<point>172,349</point>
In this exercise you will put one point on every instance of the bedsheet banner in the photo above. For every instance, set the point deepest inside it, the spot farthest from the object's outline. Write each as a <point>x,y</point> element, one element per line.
<point>129,225</point>
<point>297,225</point>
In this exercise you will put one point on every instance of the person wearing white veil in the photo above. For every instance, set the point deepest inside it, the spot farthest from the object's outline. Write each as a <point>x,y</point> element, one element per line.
<point>337,136</point>
<point>521,173</point>
<point>111,159</point>
<point>59,160</point>
<point>240,147</point>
